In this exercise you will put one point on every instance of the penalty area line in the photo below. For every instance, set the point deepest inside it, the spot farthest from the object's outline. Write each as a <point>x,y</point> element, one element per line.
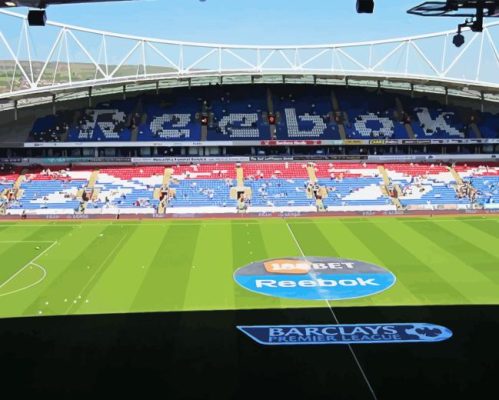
<point>32,262</point>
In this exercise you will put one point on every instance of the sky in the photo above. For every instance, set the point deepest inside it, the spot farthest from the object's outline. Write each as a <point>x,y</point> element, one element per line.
<point>251,21</point>
<point>257,22</point>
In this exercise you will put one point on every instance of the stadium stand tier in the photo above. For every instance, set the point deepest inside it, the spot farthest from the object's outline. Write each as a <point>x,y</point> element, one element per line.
<point>235,113</point>
<point>260,187</point>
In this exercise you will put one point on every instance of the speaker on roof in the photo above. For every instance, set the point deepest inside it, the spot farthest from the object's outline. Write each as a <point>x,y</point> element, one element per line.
<point>365,6</point>
<point>37,17</point>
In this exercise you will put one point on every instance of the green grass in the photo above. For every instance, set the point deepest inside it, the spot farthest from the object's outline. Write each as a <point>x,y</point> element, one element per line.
<point>143,266</point>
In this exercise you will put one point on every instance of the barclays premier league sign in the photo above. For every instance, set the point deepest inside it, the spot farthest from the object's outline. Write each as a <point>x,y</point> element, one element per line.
<point>282,335</point>
<point>314,278</point>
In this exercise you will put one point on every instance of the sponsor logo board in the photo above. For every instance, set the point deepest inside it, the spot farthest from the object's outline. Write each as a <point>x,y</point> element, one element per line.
<point>282,335</point>
<point>314,278</point>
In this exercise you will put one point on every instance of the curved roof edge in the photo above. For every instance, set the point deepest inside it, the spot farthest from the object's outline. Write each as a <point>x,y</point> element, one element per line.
<point>75,61</point>
<point>472,92</point>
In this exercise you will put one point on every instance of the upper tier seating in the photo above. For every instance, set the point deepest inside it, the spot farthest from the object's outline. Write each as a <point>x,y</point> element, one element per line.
<point>107,121</point>
<point>240,113</point>
<point>236,114</point>
<point>304,114</point>
<point>370,115</point>
<point>169,118</point>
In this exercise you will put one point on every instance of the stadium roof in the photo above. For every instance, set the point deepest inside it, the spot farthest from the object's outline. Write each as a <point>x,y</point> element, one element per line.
<point>61,62</point>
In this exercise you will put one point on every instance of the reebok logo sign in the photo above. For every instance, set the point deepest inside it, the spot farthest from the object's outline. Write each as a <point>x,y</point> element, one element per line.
<point>314,278</point>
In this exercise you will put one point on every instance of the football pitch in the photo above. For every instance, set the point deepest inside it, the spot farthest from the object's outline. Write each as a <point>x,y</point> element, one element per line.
<point>101,267</point>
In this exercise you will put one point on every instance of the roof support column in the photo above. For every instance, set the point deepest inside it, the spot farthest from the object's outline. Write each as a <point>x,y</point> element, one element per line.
<point>446,96</point>
<point>482,100</point>
<point>124,92</point>
<point>90,96</point>
<point>53,104</point>
<point>15,110</point>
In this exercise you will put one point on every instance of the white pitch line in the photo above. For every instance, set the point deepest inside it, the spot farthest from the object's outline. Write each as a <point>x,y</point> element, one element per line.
<point>28,264</point>
<point>31,285</point>
<point>337,321</point>
<point>312,219</point>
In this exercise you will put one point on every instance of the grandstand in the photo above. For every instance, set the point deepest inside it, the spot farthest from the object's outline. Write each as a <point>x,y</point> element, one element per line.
<point>275,187</point>
<point>239,113</point>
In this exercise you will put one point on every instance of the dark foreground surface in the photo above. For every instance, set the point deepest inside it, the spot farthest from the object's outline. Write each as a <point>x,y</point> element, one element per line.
<point>203,355</point>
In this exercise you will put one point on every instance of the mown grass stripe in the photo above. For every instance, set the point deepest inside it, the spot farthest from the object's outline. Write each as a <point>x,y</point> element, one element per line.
<point>476,287</point>
<point>414,274</point>
<point>312,240</point>
<point>483,261</point>
<point>475,236</point>
<point>165,284</point>
<point>118,285</point>
<point>490,227</point>
<point>248,246</point>
<point>210,283</point>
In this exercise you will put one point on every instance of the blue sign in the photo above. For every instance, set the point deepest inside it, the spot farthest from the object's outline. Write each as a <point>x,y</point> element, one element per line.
<point>314,278</point>
<point>294,335</point>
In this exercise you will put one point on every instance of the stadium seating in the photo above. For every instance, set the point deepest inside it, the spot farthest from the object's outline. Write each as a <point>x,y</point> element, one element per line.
<point>277,186</point>
<point>237,114</point>
<point>427,185</point>
<point>50,191</point>
<point>107,121</point>
<point>486,180</point>
<point>304,114</point>
<point>169,119</point>
<point>240,113</point>
<point>370,115</point>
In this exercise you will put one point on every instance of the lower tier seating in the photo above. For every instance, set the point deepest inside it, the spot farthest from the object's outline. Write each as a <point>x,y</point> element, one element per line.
<point>273,186</point>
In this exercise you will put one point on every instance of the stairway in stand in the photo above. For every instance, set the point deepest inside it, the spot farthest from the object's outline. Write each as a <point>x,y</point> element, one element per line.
<point>164,190</point>
<point>456,176</point>
<point>385,187</point>
<point>90,190</point>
